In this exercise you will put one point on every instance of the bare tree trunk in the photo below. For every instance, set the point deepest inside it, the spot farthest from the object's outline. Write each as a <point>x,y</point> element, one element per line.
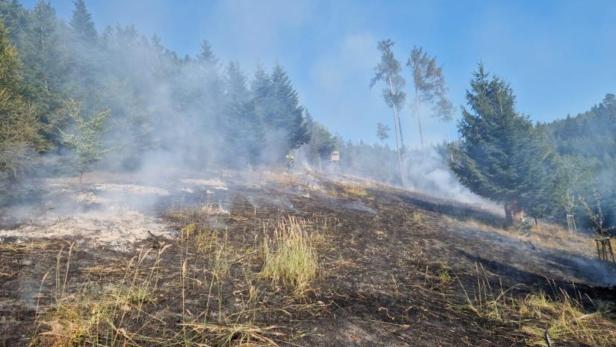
<point>416,108</point>
<point>398,133</point>
<point>513,214</point>
<point>401,132</point>
<point>81,181</point>
<point>508,216</point>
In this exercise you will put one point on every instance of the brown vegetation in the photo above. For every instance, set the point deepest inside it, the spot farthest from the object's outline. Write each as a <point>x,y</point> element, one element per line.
<point>365,267</point>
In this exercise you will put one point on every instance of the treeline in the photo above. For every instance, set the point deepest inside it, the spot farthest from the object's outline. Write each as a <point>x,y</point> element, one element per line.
<point>57,77</point>
<point>587,144</point>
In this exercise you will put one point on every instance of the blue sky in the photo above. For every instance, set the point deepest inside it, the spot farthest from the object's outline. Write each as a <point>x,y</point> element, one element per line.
<point>559,56</point>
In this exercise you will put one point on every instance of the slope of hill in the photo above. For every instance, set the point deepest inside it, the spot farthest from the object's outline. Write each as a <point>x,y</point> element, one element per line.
<point>290,260</point>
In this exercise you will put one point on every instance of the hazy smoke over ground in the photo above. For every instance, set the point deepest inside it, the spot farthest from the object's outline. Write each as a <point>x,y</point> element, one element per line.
<point>169,113</point>
<point>426,171</point>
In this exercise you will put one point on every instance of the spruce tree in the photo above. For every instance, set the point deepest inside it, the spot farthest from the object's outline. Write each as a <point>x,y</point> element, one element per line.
<point>82,23</point>
<point>276,105</point>
<point>46,66</point>
<point>206,55</point>
<point>241,127</point>
<point>492,157</point>
<point>290,116</point>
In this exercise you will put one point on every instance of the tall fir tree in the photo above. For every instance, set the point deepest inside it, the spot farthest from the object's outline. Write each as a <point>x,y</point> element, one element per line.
<point>46,67</point>
<point>276,104</point>
<point>206,55</point>
<point>242,129</point>
<point>82,23</point>
<point>492,157</point>
<point>291,114</point>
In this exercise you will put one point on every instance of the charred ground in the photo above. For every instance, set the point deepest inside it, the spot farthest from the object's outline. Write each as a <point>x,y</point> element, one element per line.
<point>394,268</point>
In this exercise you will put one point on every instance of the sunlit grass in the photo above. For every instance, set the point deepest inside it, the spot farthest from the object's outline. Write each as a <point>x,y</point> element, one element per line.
<point>289,256</point>
<point>563,318</point>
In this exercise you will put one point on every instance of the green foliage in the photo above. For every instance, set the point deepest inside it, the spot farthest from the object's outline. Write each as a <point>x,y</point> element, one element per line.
<point>276,103</point>
<point>157,101</point>
<point>19,125</point>
<point>321,143</point>
<point>82,23</point>
<point>587,145</point>
<point>85,136</point>
<point>501,155</point>
<point>242,129</point>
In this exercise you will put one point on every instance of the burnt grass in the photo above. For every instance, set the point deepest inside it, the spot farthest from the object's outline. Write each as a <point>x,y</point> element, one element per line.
<point>392,271</point>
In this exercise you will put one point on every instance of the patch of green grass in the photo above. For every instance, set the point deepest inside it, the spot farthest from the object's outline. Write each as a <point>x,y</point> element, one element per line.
<point>290,257</point>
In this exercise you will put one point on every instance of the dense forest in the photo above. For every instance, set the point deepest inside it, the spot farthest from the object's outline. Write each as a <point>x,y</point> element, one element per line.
<point>57,77</point>
<point>587,143</point>
<point>72,98</point>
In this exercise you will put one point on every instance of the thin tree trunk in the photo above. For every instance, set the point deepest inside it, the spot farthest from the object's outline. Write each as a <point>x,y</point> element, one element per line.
<point>416,108</point>
<point>508,215</point>
<point>398,133</point>
<point>401,132</point>
<point>512,213</point>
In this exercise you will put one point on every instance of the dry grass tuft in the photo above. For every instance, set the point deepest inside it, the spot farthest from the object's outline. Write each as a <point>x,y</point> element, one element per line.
<point>354,190</point>
<point>235,334</point>
<point>567,320</point>
<point>564,318</point>
<point>289,255</point>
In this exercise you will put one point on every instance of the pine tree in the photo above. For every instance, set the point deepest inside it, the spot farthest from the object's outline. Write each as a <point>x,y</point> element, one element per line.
<point>206,55</point>
<point>290,117</point>
<point>492,158</point>
<point>82,23</point>
<point>276,104</point>
<point>242,129</point>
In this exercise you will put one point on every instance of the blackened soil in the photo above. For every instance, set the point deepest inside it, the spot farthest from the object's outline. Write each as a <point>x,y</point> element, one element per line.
<point>393,272</point>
